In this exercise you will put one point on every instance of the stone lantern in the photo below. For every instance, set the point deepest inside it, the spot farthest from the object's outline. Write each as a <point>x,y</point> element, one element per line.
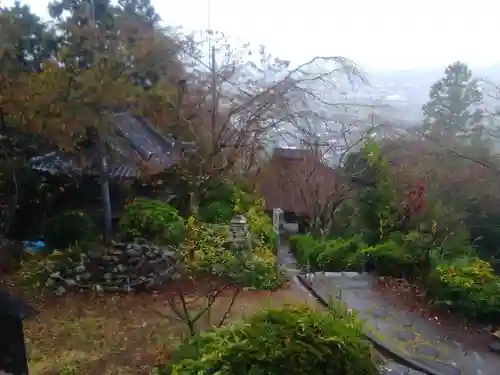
<point>239,235</point>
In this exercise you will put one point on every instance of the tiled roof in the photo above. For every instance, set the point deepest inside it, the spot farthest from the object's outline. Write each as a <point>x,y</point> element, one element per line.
<point>137,148</point>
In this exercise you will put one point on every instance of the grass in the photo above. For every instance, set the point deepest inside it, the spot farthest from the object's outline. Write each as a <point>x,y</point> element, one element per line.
<point>123,335</point>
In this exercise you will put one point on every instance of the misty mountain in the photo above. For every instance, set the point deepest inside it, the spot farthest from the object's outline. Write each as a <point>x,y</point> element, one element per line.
<point>406,91</point>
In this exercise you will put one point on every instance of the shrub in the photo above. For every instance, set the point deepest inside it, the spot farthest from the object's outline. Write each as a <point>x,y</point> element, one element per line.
<point>261,226</point>
<point>208,244</point>
<point>225,192</point>
<point>216,212</point>
<point>468,286</point>
<point>258,270</point>
<point>340,254</point>
<point>331,255</point>
<point>303,246</point>
<point>278,341</point>
<point>68,228</point>
<point>153,220</point>
<point>390,259</point>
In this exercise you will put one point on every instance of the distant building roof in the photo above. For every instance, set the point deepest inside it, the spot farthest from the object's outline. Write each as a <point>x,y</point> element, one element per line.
<point>136,148</point>
<point>295,181</point>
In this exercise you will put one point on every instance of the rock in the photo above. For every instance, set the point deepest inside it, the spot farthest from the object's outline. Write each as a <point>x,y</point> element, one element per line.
<point>141,241</point>
<point>144,249</point>
<point>115,252</point>
<point>98,288</point>
<point>495,346</point>
<point>60,290</point>
<point>124,267</point>
<point>121,268</point>
<point>154,262</point>
<point>120,245</point>
<point>80,268</point>
<point>94,255</point>
<point>134,260</point>
<point>133,252</point>
<point>110,258</point>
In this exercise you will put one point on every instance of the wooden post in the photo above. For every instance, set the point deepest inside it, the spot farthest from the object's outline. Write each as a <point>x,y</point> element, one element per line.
<point>277,219</point>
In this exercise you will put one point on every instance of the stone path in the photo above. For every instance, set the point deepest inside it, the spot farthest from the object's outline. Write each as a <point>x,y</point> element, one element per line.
<point>289,265</point>
<point>407,334</point>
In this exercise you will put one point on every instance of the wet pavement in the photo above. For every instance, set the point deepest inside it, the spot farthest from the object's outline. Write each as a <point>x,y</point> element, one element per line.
<point>423,342</point>
<point>289,266</point>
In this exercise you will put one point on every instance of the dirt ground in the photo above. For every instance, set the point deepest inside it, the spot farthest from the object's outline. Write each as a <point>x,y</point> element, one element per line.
<point>124,334</point>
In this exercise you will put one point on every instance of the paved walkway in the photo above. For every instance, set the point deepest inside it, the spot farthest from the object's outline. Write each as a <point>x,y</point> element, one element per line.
<point>404,333</point>
<point>289,265</point>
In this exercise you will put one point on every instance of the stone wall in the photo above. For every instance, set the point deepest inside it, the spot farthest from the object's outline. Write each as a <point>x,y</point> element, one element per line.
<point>123,267</point>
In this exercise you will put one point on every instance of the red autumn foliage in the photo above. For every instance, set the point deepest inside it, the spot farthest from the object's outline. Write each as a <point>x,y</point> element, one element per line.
<point>414,203</point>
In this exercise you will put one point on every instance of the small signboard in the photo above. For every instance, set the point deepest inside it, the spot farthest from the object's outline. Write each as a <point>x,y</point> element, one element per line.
<point>277,219</point>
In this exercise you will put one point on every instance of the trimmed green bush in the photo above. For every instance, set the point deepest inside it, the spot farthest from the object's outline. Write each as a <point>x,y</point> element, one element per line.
<point>389,259</point>
<point>288,341</point>
<point>331,255</point>
<point>153,220</point>
<point>340,254</point>
<point>303,246</point>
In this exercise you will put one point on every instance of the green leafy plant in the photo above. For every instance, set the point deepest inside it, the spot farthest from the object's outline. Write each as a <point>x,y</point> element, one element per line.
<point>468,286</point>
<point>304,248</point>
<point>258,271</point>
<point>340,254</point>
<point>261,226</point>
<point>216,212</point>
<point>278,341</point>
<point>208,252</point>
<point>390,259</point>
<point>377,210</point>
<point>67,229</point>
<point>153,220</point>
<point>330,255</point>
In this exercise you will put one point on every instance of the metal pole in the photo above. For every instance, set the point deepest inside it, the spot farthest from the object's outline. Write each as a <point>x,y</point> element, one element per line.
<point>215,97</point>
<point>101,149</point>
<point>276,224</point>
<point>278,244</point>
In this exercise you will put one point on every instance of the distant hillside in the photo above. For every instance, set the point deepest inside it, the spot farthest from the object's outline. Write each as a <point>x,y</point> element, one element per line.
<point>409,90</point>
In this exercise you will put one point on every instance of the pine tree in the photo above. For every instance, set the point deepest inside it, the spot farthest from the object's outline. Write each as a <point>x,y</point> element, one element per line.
<point>454,100</point>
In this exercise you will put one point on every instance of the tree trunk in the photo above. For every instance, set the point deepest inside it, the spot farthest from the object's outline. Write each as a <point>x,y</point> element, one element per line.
<point>105,194</point>
<point>194,203</point>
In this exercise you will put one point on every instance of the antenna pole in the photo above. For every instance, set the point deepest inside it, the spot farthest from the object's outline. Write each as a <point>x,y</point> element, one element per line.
<point>213,69</point>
